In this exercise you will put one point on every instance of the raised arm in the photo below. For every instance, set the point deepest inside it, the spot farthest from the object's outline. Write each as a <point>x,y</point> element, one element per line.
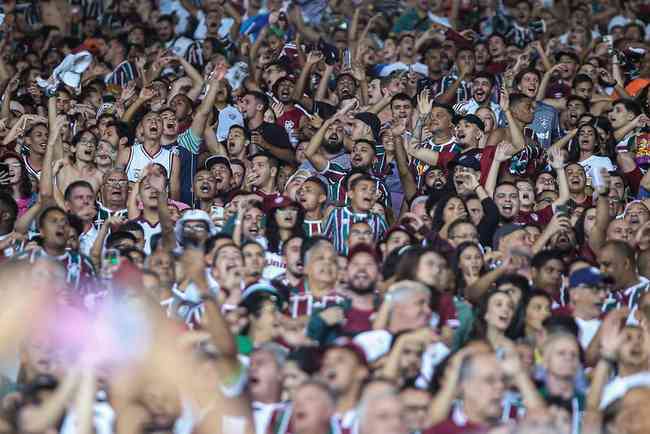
<point>598,234</point>
<point>313,57</point>
<point>194,75</point>
<point>503,153</point>
<point>409,185</point>
<point>205,108</point>
<point>145,95</point>
<point>516,134</point>
<point>557,163</point>
<point>45,416</point>
<point>312,151</point>
<point>46,181</point>
<point>541,92</point>
<point>113,221</point>
<point>166,222</point>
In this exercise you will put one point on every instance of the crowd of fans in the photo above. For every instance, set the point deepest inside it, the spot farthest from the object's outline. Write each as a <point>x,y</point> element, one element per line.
<point>323,217</point>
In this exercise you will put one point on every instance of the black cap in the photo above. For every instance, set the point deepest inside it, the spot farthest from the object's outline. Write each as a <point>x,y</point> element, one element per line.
<point>372,120</point>
<point>464,160</point>
<point>473,119</point>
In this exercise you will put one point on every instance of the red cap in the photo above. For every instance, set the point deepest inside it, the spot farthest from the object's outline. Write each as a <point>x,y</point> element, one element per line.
<point>364,248</point>
<point>349,344</point>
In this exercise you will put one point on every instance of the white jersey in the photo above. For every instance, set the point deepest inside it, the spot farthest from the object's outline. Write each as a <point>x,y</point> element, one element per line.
<point>139,158</point>
<point>149,231</point>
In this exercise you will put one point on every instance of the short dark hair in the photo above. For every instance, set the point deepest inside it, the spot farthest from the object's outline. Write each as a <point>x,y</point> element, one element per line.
<point>484,74</point>
<point>630,105</point>
<point>47,211</point>
<point>131,226</point>
<point>361,178</point>
<point>580,99</point>
<point>260,97</point>
<point>520,75</point>
<point>541,258</point>
<point>80,183</point>
<point>401,97</point>
<point>582,78</point>
<point>117,236</point>
<point>517,98</point>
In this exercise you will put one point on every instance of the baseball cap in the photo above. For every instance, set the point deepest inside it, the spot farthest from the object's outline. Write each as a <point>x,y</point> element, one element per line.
<point>217,159</point>
<point>375,344</point>
<point>503,232</point>
<point>351,345</point>
<point>465,160</point>
<point>282,202</point>
<point>588,276</point>
<point>372,120</point>
<point>193,215</point>
<point>256,293</point>
<point>473,119</point>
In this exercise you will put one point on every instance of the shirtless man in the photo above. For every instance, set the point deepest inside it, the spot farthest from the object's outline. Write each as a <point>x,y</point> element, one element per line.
<point>55,12</point>
<point>84,146</point>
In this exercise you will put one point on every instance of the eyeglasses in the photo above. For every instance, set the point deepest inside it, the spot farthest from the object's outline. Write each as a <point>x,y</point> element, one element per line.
<point>195,228</point>
<point>118,183</point>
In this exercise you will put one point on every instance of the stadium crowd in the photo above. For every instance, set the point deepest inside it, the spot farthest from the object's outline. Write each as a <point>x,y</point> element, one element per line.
<point>325,216</point>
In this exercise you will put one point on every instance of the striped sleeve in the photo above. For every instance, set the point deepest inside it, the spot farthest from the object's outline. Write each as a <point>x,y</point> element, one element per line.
<point>188,140</point>
<point>124,73</point>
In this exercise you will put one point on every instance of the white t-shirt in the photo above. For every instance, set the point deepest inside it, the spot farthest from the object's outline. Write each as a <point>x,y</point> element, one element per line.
<point>202,29</point>
<point>594,163</point>
<point>588,329</point>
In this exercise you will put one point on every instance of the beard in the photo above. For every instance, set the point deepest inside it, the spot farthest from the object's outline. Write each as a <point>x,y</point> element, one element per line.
<point>332,147</point>
<point>361,288</point>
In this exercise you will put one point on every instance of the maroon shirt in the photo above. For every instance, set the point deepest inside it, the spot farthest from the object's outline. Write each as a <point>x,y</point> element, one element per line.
<point>449,426</point>
<point>357,321</point>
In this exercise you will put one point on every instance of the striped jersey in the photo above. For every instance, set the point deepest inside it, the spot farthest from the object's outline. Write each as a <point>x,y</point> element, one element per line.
<point>337,226</point>
<point>628,297</point>
<point>312,227</point>
<point>122,74</point>
<point>336,191</point>
<point>79,270</point>
<point>420,168</point>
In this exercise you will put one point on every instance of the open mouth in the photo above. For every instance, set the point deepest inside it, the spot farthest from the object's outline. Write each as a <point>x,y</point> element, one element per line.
<point>575,181</point>
<point>507,208</point>
<point>205,188</point>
